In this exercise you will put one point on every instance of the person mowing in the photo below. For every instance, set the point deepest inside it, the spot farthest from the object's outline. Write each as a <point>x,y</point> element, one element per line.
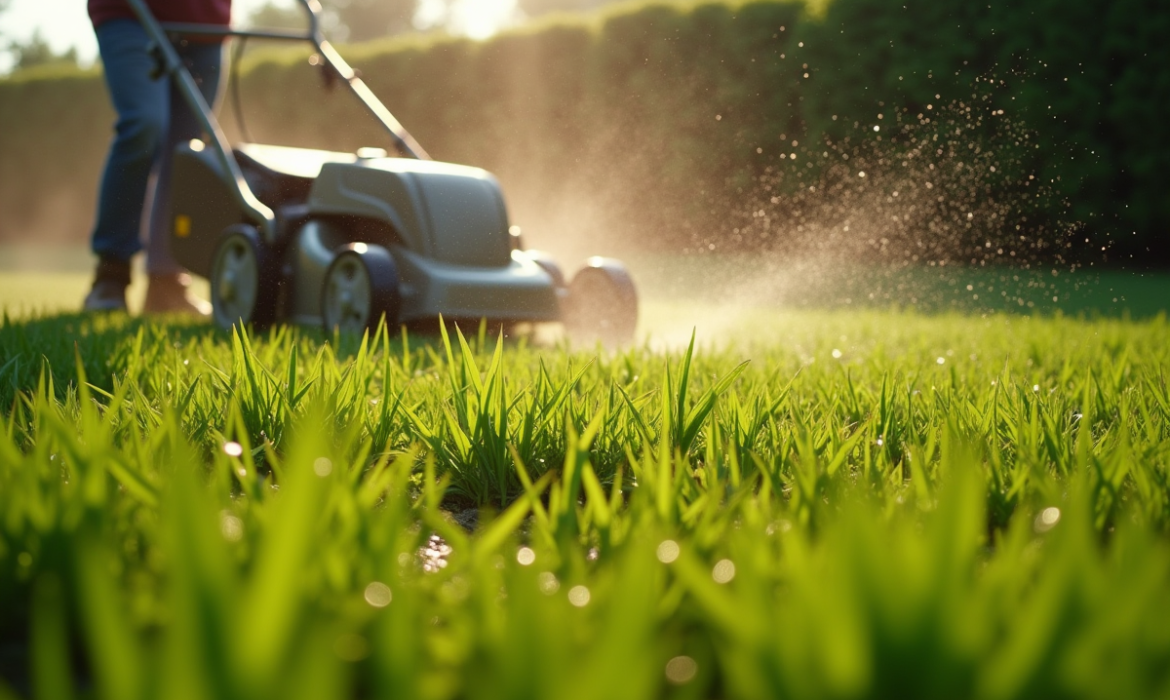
<point>152,119</point>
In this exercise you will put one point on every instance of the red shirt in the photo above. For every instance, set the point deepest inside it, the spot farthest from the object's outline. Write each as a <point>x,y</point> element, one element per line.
<point>201,11</point>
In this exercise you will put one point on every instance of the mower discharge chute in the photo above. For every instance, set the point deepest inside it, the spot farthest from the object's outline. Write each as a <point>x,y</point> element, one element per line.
<point>343,239</point>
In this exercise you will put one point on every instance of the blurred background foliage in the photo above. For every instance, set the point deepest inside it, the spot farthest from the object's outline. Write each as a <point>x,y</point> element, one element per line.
<point>657,125</point>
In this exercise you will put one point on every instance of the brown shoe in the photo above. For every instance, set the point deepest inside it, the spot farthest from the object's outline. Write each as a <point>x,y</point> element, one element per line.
<point>168,294</point>
<point>109,286</point>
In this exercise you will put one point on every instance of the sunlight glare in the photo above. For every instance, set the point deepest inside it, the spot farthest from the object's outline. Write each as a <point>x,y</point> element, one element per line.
<point>477,19</point>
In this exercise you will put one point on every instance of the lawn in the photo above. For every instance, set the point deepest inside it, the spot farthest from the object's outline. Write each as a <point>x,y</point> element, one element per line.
<point>809,503</point>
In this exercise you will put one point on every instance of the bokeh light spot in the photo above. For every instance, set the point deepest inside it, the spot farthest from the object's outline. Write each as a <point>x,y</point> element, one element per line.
<point>668,551</point>
<point>378,594</point>
<point>681,669</point>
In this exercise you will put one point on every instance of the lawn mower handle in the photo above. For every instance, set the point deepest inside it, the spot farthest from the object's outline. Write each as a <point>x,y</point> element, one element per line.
<point>172,66</point>
<point>402,139</point>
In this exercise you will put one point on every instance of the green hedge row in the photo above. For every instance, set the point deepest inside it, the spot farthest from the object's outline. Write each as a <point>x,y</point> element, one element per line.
<point>675,125</point>
<point>1088,78</point>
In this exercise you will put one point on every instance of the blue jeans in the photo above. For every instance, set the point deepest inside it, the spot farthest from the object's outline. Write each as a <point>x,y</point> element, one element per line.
<point>153,118</point>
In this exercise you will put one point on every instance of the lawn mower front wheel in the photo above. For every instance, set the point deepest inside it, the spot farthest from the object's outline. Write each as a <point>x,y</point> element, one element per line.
<point>361,286</point>
<point>602,303</point>
<point>241,279</point>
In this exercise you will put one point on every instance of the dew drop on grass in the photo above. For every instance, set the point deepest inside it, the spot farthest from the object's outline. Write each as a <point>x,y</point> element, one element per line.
<point>836,354</point>
<point>547,583</point>
<point>941,360</point>
<point>525,556</point>
<point>233,449</point>
<point>377,594</point>
<point>322,466</point>
<point>724,571</point>
<point>1047,519</point>
<point>231,527</point>
<point>579,596</point>
<point>668,551</point>
<point>681,669</point>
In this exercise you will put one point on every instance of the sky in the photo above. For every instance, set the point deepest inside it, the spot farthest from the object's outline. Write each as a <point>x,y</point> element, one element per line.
<point>64,23</point>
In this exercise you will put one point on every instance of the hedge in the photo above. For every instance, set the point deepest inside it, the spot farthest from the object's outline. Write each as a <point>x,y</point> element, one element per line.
<point>672,125</point>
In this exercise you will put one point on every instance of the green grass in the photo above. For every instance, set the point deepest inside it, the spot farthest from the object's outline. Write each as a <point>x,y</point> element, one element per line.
<point>822,504</point>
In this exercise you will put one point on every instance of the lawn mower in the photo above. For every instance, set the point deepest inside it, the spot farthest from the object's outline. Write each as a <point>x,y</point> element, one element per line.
<point>345,239</point>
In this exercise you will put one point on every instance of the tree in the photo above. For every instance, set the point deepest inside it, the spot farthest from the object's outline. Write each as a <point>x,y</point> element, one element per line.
<point>363,20</point>
<point>37,52</point>
<point>532,8</point>
<point>273,16</point>
<point>342,20</point>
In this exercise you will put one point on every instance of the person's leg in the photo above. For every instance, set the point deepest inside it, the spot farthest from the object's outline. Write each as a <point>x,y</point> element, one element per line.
<point>167,291</point>
<point>142,108</point>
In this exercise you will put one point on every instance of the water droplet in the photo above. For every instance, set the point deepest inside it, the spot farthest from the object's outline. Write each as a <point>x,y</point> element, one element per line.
<point>681,669</point>
<point>1047,519</point>
<point>547,583</point>
<point>941,360</point>
<point>525,556</point>
<point>378,594</point>
<point>231,527</point>
<point>836,354</point>
<point>579,596</point>
<point>724,571</point>
<point>322,466</point>
<point>233,449</point>
<point>668,551</point>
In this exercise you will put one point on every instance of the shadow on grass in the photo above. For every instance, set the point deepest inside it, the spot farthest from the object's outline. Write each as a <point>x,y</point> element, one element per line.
<point>106,344</point>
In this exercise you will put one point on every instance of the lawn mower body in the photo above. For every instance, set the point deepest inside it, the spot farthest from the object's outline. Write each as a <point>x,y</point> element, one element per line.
<point>346,239</point>
<point>445,226</point>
